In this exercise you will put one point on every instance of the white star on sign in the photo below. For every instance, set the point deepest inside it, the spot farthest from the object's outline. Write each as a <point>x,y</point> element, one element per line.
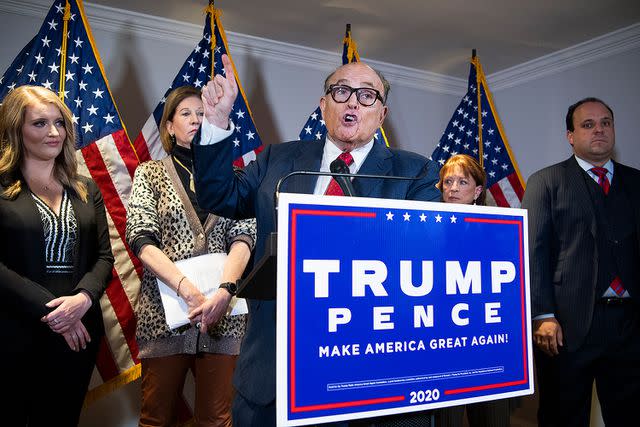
<point>453,219</point>
<point>406,216</point>
<point>389,216</point>
<point>438,218</point>
<point>423,217</point>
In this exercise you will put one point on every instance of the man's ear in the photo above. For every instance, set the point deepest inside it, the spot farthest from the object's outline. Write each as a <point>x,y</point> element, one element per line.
<point>323,104</point>
<point>570,137</point>
<point>383,114</point>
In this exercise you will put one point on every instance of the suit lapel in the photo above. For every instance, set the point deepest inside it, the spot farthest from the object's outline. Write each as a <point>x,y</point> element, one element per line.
<point>578,185</point>
<point>307,157</point>
<point>30,215</point>
<point>378,162</point>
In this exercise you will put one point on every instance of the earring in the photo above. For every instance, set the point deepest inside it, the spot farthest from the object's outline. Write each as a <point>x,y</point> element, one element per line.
<point>475,199</point>
<point>173,139</point>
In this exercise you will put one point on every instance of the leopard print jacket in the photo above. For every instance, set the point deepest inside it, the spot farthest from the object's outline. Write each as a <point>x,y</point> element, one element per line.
<point>160,206</point>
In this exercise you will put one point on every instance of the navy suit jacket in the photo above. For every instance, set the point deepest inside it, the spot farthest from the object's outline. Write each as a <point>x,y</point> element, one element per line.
<point>563,253</point>
<point>250,193</point>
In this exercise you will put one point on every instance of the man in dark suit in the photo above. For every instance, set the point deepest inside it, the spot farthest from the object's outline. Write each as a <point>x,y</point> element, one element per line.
<point>353,108</point>
<point>584,243</point>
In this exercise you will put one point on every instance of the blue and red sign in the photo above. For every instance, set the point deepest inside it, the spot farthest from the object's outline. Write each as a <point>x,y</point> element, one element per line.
<point>390,306</point>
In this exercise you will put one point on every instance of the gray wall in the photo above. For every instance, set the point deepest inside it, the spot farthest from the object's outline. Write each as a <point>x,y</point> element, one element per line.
<point>282,93</point>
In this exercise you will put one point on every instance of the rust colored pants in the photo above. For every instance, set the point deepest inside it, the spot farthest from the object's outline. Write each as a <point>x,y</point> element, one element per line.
<point>163,381</point>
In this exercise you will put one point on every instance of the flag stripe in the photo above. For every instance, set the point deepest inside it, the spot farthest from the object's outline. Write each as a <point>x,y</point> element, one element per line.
<point>99,173</point>
<point>516,185</point>
<point>498,195</point>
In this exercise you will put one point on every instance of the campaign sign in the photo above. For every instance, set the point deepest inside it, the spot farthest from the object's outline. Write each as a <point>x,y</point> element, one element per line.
<point>391,306</point>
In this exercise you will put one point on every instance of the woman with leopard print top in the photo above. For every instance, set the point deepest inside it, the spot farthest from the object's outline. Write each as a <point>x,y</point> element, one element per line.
<point>165,225</point>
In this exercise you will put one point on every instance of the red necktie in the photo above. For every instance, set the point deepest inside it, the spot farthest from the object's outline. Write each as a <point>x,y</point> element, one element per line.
<point>603,181</point>
<point>334,189</point>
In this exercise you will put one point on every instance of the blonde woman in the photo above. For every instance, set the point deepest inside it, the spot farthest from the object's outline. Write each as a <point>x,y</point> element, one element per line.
<point>55,262</point>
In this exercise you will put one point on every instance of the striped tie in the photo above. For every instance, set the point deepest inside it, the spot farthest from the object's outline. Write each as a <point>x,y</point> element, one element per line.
<point>603,181</point>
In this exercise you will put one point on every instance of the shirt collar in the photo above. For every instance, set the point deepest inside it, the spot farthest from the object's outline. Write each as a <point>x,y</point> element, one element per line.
<point>331,152</point>
<point>587,167</point>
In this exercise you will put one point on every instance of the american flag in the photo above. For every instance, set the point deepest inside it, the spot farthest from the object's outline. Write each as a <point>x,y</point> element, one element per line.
<point>72,68</point>
<point>504,182</point>
<point>314,129</point>
<point>196,71</point>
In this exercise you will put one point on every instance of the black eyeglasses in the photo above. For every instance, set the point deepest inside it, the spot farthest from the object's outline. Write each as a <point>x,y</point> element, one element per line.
<point>366,96</point>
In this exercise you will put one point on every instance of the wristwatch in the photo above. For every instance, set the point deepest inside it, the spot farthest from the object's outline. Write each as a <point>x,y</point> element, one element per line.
<point>231,287</point>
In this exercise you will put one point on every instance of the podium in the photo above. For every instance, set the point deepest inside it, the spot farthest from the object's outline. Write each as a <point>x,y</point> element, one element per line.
<point>395,308</point>
<point>260,283</point>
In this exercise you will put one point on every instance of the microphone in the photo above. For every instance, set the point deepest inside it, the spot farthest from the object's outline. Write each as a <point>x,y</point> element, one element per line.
<point>345,176</point>
<point>338,166</point>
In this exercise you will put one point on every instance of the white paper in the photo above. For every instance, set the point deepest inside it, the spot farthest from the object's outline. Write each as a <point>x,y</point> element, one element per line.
<point>204,272</point>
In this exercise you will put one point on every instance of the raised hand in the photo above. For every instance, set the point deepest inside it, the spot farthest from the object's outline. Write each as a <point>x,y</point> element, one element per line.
<point>219,95</point>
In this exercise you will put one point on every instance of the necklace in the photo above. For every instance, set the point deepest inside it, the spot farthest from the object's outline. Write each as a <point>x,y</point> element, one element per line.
<point>192,185</point>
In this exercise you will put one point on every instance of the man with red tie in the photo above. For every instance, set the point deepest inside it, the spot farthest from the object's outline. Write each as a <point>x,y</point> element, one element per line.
<point>353,106</point>
<point>584,249</point>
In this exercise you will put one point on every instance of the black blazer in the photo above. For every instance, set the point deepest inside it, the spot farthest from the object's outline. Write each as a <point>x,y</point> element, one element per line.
<point>22,264</point>
<point>563,255</point>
